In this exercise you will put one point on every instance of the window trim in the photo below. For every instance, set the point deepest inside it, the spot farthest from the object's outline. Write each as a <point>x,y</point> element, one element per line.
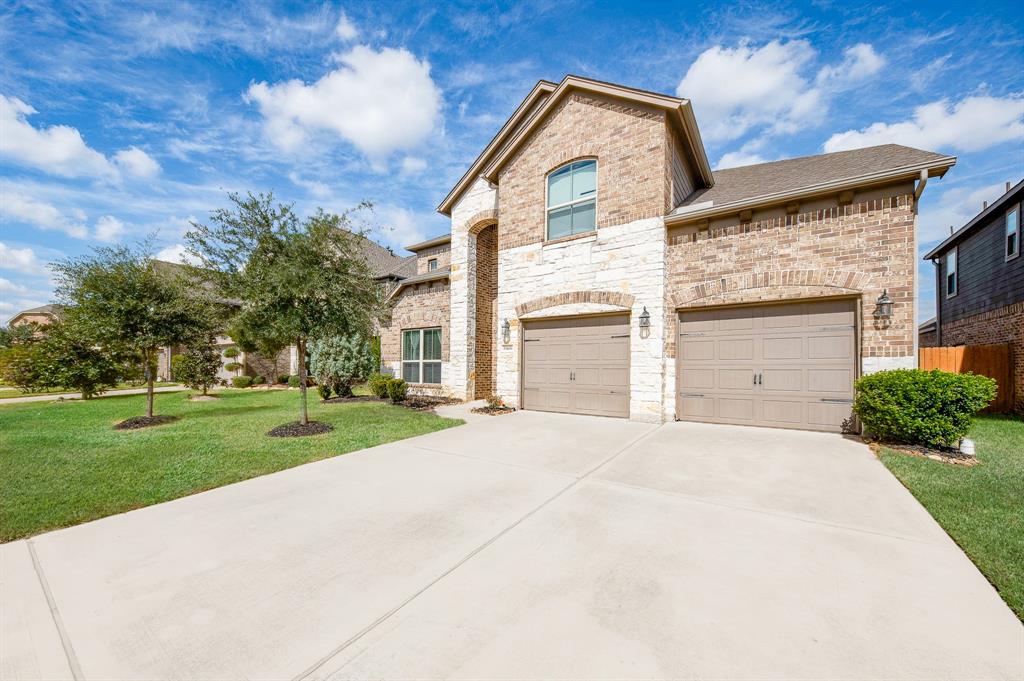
<point>955,251</point>
<point>547,189</point>
<point>420,361</point>
<point>1006,235</point>
<point>431,264</point>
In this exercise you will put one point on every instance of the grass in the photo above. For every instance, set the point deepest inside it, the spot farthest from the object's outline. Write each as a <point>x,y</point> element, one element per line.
<point>8,391</point>
<point>64,464</point>
<point>981,507</point>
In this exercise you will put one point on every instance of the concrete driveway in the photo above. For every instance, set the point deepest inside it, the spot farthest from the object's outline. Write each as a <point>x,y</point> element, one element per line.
<point>526,546</point>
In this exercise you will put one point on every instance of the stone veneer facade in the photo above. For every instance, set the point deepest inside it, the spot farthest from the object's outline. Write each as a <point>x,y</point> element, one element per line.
<point>418,306</point>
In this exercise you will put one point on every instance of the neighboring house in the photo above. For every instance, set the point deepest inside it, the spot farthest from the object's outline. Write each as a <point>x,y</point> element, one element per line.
<point>43,315</point>
<point>597,265</point>
<point>979,283</point>
<point>927,334</point>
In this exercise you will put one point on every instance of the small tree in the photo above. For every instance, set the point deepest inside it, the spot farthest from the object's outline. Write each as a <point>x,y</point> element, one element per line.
<point>70,360</point>
<point>297,279</point>
<point>231,353</point>
<point>121,301</point>
<point>24,366</point>
<point>197,367</point>
<point>19,334</point>
<point>340,362</point>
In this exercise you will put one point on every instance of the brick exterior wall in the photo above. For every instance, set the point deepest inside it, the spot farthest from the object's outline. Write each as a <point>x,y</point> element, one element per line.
<point>486,295</point>
<point>858,249</point>
<point>1005,325</point>
<point>416,307</point>
<point>631,145</point>
<point>443,253</point>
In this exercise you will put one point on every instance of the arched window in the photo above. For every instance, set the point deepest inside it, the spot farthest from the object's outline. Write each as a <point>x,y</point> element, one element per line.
<point>572,199</point>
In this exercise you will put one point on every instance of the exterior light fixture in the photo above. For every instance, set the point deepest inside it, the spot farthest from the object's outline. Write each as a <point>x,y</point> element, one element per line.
<point>883,306</point>
<point>506,332</point>
<point>645,323</point>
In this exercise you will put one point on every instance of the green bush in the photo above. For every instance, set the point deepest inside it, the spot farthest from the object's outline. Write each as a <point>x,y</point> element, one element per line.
<point>293,381</point>
<point>282,379</point>
<point>197,367</point>
<point>241,381</point>
<point>232,366</point>
<point>324,390</point>
<point>231,352</point>
<point>24,366</point>
<point>912,406</point>
<point>378,385</point>
<point>258,380</point>
<point>340,362</point>
<point>397,389</point>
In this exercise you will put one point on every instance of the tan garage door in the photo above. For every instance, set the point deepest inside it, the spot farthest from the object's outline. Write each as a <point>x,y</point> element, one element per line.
<point>788,365</point>
<point>577,365</point>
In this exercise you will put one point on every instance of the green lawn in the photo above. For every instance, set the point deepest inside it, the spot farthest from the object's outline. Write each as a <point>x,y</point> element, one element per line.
<point>981,507</point>
<point>63,463</point>
<point>10,391</point>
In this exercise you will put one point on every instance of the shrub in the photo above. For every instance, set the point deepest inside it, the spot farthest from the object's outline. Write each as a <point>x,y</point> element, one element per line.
<point>325,391</point>
<point>282,379</point>
<point>912,406</point>
<point>397,389</point>
<point>293,381</point>
<point>232,366</point>
<point>258,380</point>
<point>231,352</point>
<point>241,381</point>
<point>24,366</point>
<point>197,367</point>
<point>495,402</point>
<point>341,362</point>
<point>378,385</point>
<point>375,351</point>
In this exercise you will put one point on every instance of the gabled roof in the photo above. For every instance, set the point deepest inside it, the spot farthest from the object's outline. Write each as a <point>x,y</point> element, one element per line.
<point>978,221</point>
<point>527,117</point>
<point>380,259</point>
<point>435,275</point>
<point>429,243</point>
<point>777,181</point>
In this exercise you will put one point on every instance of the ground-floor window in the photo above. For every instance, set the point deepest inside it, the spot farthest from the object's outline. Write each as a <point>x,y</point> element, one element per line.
<point>421,355</point>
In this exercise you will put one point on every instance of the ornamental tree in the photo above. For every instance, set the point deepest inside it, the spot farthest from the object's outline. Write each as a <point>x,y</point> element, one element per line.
<point>197,367</point>
<point>121,299</point>
<point>70,360</point>
<point>296,278</point>
<point>340,362</point>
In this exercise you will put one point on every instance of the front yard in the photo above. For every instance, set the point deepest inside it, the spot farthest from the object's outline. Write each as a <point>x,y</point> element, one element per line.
<point>981,507</point>
<point>63,463</point>
<point>11,391</point>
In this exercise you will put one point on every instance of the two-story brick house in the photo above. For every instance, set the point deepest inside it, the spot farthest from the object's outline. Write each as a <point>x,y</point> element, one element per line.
<point>979,283</point>
<point>597,265</point>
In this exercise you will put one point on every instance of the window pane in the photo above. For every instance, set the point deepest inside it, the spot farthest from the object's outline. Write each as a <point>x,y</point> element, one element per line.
<point>432,264</point>
<point>560,186</point>
<point>411,345</point>
<point>584,179</point>
<point>431,372</point>
<point>583,217</point>
<point>951,262</point>
<point>431,344</point>
<point>560,222</point>
<point>411,372</point>
<point>1011,222</point>
<point>1011,244</point>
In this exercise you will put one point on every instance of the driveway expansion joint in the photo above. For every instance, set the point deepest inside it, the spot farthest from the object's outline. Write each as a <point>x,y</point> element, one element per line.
<point>58,622</point>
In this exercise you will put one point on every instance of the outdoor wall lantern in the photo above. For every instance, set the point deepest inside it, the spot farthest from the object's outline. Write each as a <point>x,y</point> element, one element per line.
<point>883,306</point>
<point>645,323</point>
<point>506,332</point>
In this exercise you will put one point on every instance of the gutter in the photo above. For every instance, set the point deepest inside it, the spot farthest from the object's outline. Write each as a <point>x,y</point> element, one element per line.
<point>936,168</point>
<point>419,279</point>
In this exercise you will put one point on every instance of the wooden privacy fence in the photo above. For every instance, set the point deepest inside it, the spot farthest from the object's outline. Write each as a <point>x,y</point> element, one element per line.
<point>987,360</point>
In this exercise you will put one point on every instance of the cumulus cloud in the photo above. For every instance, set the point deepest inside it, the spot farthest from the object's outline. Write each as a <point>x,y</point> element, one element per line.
<point>734,159</point>
<point>412,165</point>
<point>379,101</point>
<point>346,30</point>
<point>58,149</point>
<point>22,260</point>
<point>772,87</point>
<point>401,226</point>
<point>176,253</point>
<point>136,162</point>
<point>954,208</point>
<point>315,188</point>
<point>19,208</point>
<point>972,124</point>
<point>9,287</point>
<point>109,228</point>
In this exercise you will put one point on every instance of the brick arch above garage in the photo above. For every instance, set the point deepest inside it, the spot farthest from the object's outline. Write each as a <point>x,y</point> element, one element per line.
<point>614,298</point>
<point>755,287</point>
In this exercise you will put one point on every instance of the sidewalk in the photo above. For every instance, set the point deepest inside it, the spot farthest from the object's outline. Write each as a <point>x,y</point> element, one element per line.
<point>77,396</point>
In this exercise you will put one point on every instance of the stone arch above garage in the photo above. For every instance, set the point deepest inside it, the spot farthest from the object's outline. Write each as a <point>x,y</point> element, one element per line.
<point>755,287</point>
<point>622,301</point>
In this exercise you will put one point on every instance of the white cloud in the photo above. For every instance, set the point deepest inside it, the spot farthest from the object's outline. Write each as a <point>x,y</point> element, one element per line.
<point>859,62</point>
<point>317,189</point>
<point>378,101</point>
<point>109,228</point>
<point>734,159</point>
<point>175,253</point>
<point>137,162</point>
<point>412,165</point>
<point>346,30</point>
<point>954,208</point>
<point>21,208</point>
<point>58,149</point>
<point>401,226</point>
<point>22,260</point>
<point>12,307</point>
<point>972,124</point>
<point>9,287</point>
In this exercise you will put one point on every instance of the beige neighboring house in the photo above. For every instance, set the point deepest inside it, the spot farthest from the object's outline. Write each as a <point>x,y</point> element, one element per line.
<point>597,265</point>
<point>43,315</point>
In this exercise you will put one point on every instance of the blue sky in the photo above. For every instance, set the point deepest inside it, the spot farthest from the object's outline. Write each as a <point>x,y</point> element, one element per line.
<point>117,122</point>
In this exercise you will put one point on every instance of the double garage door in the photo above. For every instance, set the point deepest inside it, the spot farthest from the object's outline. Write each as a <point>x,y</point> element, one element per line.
<point>577,365</point>
<point>787,365</point>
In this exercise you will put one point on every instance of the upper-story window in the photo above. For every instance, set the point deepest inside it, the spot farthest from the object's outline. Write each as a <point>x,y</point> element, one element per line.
<point>572,199</point>
<point>432,264</point>
<point>952,282</point>
<point>1013,233</point>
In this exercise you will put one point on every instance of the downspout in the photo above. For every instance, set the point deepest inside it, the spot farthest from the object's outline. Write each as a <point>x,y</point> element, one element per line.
<point>918,190</point>
<point>938,302</point>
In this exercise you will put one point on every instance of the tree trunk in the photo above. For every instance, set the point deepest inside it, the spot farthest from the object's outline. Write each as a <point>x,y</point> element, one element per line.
<point>150,381</point>
<point>300,344</point>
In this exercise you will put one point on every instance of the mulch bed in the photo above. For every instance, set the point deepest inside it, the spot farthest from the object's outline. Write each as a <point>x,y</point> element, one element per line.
<point>296,429</point>
<point>492,411</point>
<point>427,402</point>
<point>137,422</point>
<point>949,455</point>
<point>354,398</point>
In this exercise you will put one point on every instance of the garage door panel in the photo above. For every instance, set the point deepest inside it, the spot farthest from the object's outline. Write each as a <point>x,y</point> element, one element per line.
<point>614,377</point>
<point>700,379</point>
<point>832,346</point>
<point>542,374</point>
<point>788,412</point>
<point>783,316</point>
<point>615,351</point>
<point>698,350</point>
<point>830,380</point>
<point>738,320</point>
<point>586,351</point>
<point>736,379</point>
<point>782,347</point>
<point>827,416</point>
<point>782,380</point>
<point>697,407</point>
<point>832,313</point>
<point>696,322</point>
<point>736,349</point>
<point>735,409</point>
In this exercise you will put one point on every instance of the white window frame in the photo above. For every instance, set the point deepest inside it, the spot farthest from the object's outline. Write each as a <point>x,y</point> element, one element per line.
<point>955,252</point>
<point>547,187</point>
<point>420,361</point>
<point>1006,235</point>
<point>431,264</point>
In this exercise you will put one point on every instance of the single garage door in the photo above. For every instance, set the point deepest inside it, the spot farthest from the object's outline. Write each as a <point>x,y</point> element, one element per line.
<point>788,365</point>
<point>577,365</point>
